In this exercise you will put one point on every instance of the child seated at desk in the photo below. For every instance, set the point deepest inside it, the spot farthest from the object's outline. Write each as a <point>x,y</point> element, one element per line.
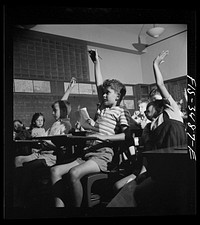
<point>61,110</point>
<point>111,123</point>
<point>19,131</point>
<point>37,125</point>
<point>160,192</point>
<point>139,116</point>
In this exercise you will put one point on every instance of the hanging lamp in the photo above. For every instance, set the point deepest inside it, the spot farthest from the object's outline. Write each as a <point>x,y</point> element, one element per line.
<point>155,32</point>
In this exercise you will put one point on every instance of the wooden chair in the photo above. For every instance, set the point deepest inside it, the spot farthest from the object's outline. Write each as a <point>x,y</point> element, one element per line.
<point>94,194</point>
<point>106,180</point>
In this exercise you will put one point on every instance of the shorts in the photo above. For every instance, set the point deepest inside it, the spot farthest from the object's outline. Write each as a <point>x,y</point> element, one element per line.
<point>102,156</point>
<point>49,158</point>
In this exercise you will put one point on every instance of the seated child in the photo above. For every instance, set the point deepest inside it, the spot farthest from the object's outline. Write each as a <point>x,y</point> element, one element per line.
<point>111,123</point>
<point>139,116</point>
<point>19,131</point>
<point>158,193</point>
<point>36,129</point>
<point>61,110</point>
<point>37,125</point>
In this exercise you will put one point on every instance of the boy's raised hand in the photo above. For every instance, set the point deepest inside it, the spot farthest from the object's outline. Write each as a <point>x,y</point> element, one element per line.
<point>93,55</point>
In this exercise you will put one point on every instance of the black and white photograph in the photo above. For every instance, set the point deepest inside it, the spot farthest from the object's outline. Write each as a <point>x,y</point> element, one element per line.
<point>99,112</point>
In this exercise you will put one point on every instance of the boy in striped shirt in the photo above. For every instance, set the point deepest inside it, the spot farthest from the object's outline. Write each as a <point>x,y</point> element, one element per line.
<point>111,123</point>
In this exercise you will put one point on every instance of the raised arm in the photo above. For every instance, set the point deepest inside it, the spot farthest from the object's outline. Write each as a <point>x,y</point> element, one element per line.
<point>158,75</point>
<point>97,73</point>
<point>69,89</point>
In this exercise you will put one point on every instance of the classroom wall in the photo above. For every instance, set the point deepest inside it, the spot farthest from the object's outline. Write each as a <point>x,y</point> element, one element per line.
<point>48,59</point>
<point>118,60</point>
<point>123,66</point>
<point>136,68</point>
<point>175,64</point>
<point>55,58</point>
<point>96,33</point>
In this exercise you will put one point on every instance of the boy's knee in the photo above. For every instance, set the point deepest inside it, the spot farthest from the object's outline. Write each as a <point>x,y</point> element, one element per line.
<point>74,174</point>
<point>18,161</point>
<point>117,186</point>
<point>55,172</point>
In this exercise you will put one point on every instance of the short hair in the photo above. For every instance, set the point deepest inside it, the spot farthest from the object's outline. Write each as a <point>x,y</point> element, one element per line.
<point>117,86</point>
<point>143,100</point>
<point>19,121</point>
<point>153,92</point>
<point>159,105</point>
<point>65,108</point>
<point>34,118</point>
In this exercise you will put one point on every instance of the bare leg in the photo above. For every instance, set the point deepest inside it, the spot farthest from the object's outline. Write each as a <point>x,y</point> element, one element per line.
<point>19,160</point>
<point>120,183</point>
<point>56,177</point>
<point>76,173</point>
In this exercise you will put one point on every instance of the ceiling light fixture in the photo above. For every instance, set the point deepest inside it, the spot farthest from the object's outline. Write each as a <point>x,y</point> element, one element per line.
<point>141,46</point>
<point>155,32</point>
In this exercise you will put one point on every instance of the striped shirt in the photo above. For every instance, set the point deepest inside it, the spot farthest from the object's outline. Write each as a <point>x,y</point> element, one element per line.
<point>110,120</point>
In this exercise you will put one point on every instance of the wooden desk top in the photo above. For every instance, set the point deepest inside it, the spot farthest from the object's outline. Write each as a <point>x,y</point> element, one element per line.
<point>26,141</point>
<point>172,150</point>
<point>65,137</point>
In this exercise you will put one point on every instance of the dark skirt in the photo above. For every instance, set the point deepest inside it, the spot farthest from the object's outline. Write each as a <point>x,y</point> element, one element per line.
<point>170,133</point>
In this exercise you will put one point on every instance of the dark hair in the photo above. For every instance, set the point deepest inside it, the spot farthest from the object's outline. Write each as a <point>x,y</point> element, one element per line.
<point>159,105</point>
<point>65,108</point>
<point>117,86</point>
<point>153,92</point>
<point>34,118</point>
<point>19,122</point>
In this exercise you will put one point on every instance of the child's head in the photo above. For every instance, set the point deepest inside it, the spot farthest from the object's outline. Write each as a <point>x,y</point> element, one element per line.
<point>114,91</point>
<point>18,125</point>
<point>154,94</point>
<point>142,104</point>
<point>61,109</point>
<point>155,108</point>
<point>37,120</point>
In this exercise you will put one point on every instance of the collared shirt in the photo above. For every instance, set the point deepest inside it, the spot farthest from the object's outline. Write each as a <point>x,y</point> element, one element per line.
<point>38,132</point>
<point>173,112</point>
<point>60,127</point>
<point>110,120</point>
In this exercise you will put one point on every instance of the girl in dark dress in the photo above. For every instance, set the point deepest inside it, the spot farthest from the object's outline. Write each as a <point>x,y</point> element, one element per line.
<point>164,191</point>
